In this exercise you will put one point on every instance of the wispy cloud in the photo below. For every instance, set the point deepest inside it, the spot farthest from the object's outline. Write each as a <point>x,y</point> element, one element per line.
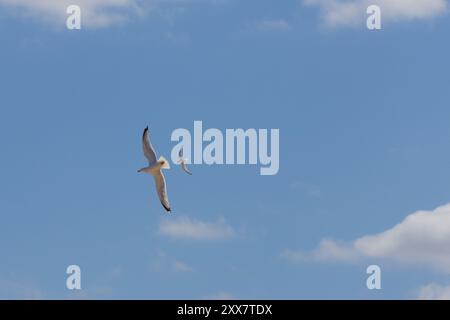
<point>336,13</point>
<point>271,25</point>
<point>309,190</point>
<point>100,13</point>
<point>190,229</point>
<point>179,266</point>
<point>434,292</point>
<point>162,262</point>
<point>91,293</point>
<point>328,250</point>
<point>421,239</point>
<point>178,38</point>
<point>222,295</point>
<point>15,289</point>
<point>94,13</point>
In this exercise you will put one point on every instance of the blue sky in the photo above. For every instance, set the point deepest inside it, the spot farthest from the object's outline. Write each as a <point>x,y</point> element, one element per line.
<point>364,144</point>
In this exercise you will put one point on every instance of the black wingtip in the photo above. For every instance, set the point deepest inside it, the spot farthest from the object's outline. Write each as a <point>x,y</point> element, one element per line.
<point>145,132</point>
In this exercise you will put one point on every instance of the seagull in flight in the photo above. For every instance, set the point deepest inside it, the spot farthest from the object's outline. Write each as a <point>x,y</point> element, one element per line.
<point>182,162</point>
<point>155,169</point>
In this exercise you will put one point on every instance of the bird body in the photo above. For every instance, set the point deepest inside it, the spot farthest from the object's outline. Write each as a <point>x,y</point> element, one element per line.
<point>154,168</point>
<point>182,162</point>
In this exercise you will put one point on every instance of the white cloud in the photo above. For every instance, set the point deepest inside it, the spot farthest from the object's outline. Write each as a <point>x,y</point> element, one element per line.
<point>353,12</point>
<point>434,292</point>
<point>94,13</point>
<point>421,239</point>
<point>100,13</point>
<point>186,228</point>
<point>272,25</point>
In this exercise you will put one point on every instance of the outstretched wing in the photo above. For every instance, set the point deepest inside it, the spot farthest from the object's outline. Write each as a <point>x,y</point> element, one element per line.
<point>184,167</point>
<point>162,190</point>
<point>147,147</point>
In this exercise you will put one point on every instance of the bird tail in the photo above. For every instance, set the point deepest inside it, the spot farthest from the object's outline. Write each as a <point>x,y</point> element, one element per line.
<point>165,163</point>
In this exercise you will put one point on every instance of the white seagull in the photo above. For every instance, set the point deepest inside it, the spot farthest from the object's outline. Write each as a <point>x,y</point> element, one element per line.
<point>182,162</point>
<point>154,168</point>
